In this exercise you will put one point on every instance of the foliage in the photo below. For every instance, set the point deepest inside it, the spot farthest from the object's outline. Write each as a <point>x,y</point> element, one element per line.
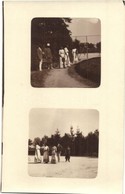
<point>49,30</point>
<point>80,145</point>
<point>98,45</point>
<point>36,141</point>
<point>55,31</point>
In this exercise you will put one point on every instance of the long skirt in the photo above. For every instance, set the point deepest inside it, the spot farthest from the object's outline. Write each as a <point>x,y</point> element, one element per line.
<point>58,156</point>
<point>53,158</point>
<point>46,157</point>
<point>37,156</point>
<point>67,61</point>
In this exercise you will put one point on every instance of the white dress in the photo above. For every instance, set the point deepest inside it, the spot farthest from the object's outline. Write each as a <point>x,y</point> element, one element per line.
<point>62,58</point>
<point>75,57</point>
<point>46,154</point>
<point>67,59</point>
<point>53,157</point>
<point>37,154</point>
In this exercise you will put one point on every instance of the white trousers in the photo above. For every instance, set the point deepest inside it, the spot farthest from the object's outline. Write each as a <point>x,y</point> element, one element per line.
<point>40,65</point>
<point>62,64</point>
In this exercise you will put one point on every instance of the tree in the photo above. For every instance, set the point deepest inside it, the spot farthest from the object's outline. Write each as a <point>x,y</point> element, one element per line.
<point>57,137</point>
<point>78,142</point>
<point>80,145</point>
<point>91,47</point>
<point>44,140</point>
<point>89,144</point>
<point>83,47</point>
<point>66,140</point>
<point>36,141</point>
<point>76,44</point>
<point>52,30</point>
<point>72,141</point>
<point>72,132</point>
<point>98,45</point>
<point>30,142</point>
<point>92,140</point>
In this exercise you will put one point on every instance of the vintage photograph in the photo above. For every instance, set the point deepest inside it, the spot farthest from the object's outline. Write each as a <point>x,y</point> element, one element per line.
<point>66,52</point>
<point>63,143</point>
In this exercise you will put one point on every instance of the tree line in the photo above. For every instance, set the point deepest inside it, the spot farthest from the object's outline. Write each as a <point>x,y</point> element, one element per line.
<point>79,144</point>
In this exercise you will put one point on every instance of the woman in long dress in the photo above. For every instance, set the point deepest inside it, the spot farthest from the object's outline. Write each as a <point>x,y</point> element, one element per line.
<point>67,59</point>
<point>37,158</point>
<point>62,58</point>
<point>45,154</point>
<point>53,157</point>
<point>75,55</point>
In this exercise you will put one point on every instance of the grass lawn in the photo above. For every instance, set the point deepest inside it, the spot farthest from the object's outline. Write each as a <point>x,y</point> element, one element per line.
<point>89,69</point>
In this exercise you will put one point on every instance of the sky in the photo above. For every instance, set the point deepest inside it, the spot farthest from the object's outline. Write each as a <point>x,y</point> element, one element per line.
<point>90,27</point>
<point>46,121</point>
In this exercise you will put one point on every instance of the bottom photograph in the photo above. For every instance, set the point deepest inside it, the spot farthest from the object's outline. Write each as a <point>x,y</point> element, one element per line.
<point>63,143</point>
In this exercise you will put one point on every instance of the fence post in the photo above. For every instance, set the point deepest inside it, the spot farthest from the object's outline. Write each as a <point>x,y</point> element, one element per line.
<point>87,47</point>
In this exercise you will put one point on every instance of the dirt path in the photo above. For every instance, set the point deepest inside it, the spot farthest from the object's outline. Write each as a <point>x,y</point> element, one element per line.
<point>78,167</point>
<point>61,78</point>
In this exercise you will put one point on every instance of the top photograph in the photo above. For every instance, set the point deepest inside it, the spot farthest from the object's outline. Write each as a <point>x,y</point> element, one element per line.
<point>65,52</point>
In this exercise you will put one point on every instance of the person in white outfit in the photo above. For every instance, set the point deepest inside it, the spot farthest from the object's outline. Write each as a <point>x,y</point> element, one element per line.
<point>75,55</point>
<point>37,154</point>
<point>67,59</point>
<point>62,57</point>
<point>40,57</point>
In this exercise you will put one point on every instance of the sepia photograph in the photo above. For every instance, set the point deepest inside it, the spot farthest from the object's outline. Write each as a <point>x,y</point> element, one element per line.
<point>65,52</point>
<point>62,116</point>
<point>63,143</point>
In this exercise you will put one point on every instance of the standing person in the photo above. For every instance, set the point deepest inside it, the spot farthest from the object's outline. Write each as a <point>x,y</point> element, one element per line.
<point>40,57</point>
<point>48,56</point>
<point>37,158</point>
<point>53,157</point>
<point>67,59</point>
<point>45,154</point>
<point>59,150</point>
<point>62,57</point>
<point>75,55</point>
<point>67,154</point>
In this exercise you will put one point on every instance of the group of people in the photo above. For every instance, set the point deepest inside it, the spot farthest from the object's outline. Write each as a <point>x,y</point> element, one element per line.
<point>64,58</point>
<point>45,54</point>
<point>55,154</point>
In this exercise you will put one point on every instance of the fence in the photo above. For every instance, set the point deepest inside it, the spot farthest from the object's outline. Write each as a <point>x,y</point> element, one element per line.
<point>88,46</point>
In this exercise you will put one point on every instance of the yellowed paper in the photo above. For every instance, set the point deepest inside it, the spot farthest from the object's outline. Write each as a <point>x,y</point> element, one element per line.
<point>20,97</point>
